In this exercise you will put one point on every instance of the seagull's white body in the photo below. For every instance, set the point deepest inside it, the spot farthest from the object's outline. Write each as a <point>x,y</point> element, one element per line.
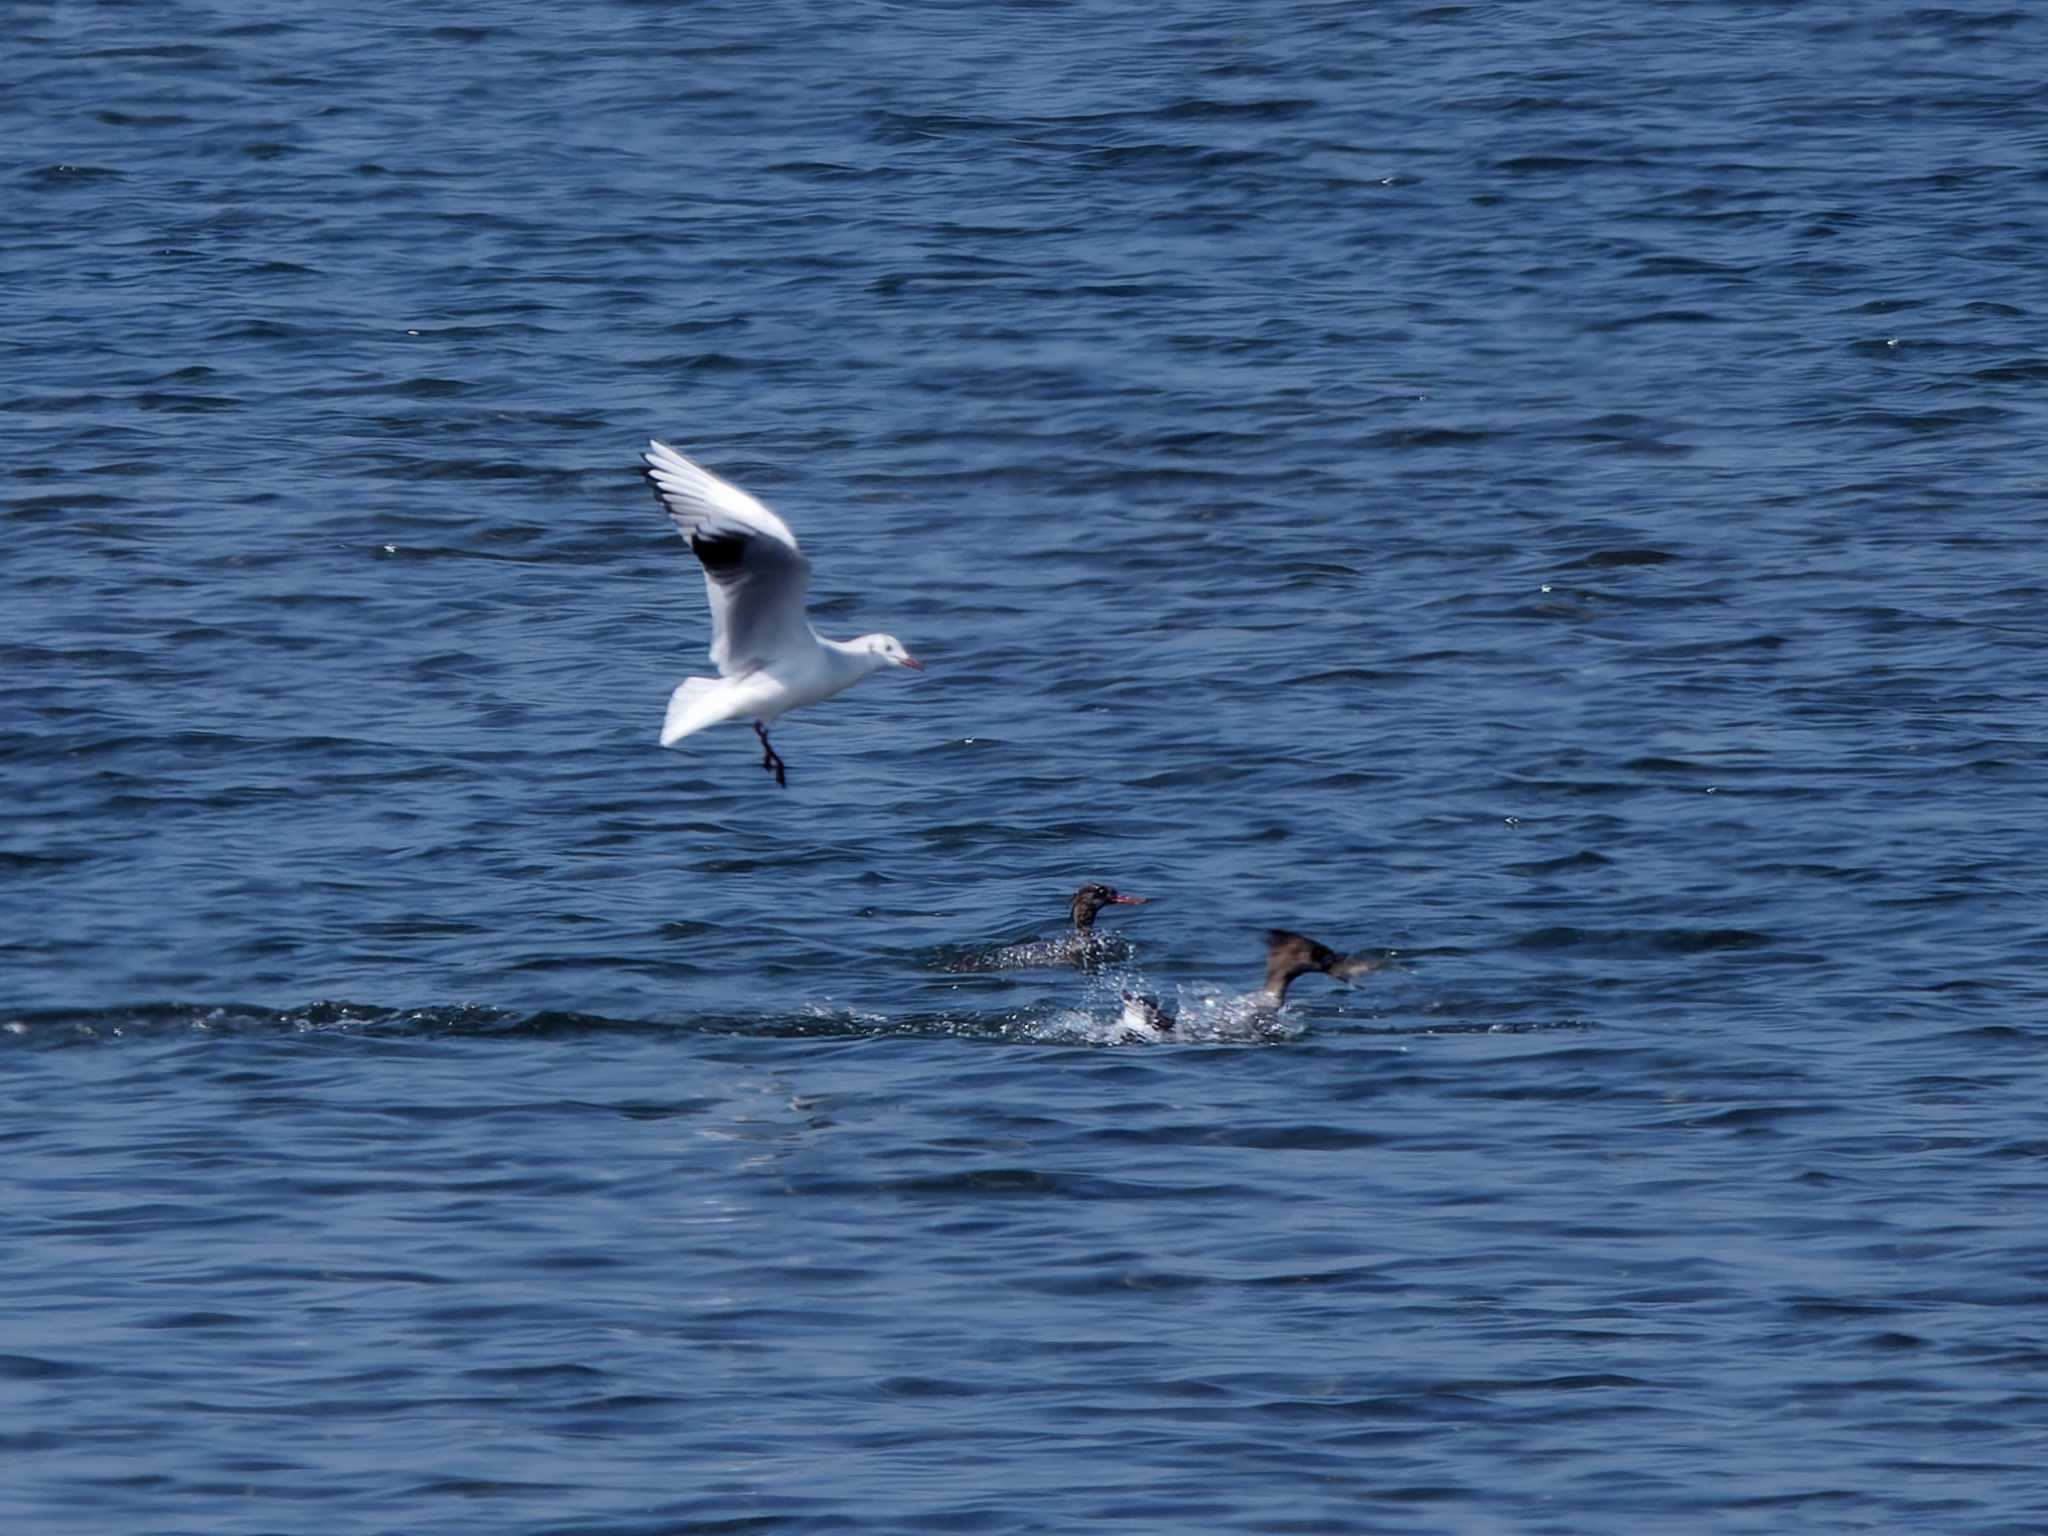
<point>770,690</point>
<point>769,659</point>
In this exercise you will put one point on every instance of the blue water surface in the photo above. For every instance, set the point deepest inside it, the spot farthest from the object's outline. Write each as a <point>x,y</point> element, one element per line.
<point>1551,495</point>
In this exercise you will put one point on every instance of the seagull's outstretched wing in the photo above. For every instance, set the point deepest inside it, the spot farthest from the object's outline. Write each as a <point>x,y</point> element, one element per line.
<point>755,575</point>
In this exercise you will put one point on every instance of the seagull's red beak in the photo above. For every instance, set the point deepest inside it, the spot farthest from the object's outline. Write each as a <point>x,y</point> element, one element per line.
<point>1129,901</point>
<point>911,662</point>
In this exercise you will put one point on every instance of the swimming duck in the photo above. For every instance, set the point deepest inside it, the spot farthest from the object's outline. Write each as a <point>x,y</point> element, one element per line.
<point>1083,944</point>
<point>1288,956</point>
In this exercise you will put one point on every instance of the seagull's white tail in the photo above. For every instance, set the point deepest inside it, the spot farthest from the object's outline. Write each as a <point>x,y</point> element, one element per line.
<point>696,703</point>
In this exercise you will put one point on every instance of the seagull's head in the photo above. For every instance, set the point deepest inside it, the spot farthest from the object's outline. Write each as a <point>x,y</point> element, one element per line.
<point>888,651</point>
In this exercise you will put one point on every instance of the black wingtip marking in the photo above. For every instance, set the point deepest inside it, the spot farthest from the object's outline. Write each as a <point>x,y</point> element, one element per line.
<point>719,551</point>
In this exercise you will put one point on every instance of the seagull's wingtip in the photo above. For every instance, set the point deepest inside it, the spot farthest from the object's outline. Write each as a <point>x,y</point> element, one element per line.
<point>658,455</point>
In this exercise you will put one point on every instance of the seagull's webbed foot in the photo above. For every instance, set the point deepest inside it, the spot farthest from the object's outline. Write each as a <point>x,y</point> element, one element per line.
<point>770,759</point>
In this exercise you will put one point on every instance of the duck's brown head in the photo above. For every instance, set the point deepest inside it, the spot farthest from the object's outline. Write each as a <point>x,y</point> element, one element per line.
<point>1289,955</point>
<point>1091,899</point>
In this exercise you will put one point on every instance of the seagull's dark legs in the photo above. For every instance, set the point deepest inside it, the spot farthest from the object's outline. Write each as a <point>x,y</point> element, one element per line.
<point>769,758</point>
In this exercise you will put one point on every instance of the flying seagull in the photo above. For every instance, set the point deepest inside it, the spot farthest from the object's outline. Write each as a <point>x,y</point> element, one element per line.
<point>769,659</point>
